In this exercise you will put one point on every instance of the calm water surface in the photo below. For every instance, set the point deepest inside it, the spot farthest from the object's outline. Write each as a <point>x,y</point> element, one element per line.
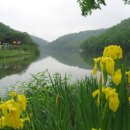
<point>14,70</point>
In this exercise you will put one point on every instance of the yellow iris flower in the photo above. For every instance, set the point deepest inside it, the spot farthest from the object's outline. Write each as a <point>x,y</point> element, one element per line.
<point>129,99</point>
<point>96,129</point>
<point>2,122</point>
<point>113,51</point>
<point>22,102</point>
<point>12,110</point>
<point>116,78</point>
<point>110,65</point>
<point>128,74</point>
<point>111,96</point>
<point>95,69</point>
<point>105,63</point>
<point>113,101</point>
<point>96,60</point>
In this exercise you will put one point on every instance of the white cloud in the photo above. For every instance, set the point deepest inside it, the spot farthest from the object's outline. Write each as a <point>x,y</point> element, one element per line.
<point>50,19</point>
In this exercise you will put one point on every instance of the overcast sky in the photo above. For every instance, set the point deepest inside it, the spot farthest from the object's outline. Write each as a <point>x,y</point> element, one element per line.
<point>50,19</point>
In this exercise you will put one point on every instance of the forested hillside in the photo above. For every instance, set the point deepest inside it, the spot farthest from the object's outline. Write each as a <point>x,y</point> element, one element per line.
<point>14,43</point>
<point>118,34</point>
<point>73,41</point>
<point>8,34</point>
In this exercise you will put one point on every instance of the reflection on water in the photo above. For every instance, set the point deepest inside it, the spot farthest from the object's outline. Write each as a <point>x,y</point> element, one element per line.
<point>74,59</point>
<point>71,59</point>
<point>20,69</point>
<point>17,65</point>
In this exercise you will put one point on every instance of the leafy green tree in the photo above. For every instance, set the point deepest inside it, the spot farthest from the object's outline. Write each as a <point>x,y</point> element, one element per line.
<point>88,5</point>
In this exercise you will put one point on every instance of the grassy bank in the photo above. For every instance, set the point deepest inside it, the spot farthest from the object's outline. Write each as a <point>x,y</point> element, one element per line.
<point>15,59</point>
<point>23,50</point>
<point>13,53</point>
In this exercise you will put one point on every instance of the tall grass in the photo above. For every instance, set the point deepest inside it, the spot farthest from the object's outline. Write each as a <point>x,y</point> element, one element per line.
<point>57,104</point>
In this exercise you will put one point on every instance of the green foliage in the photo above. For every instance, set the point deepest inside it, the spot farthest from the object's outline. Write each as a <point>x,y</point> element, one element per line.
<point>87,6</point>
<point>24,49</point>
<point>72,41</point>
<point>8,34</point>
<point>118,34</point>
<point>58,104</point>
<point>10,53</point>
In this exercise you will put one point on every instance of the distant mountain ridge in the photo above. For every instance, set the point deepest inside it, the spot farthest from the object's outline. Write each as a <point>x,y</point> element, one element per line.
<point>73,41</point>
<point>91,40</point>
<point>118,34</point>
<point>39,41</point>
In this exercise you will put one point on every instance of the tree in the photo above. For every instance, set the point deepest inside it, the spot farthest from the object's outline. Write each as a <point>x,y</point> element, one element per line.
<point>88,5</point>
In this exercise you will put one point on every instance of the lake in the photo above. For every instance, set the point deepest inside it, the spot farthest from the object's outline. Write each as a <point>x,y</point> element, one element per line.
<point>21,69</point>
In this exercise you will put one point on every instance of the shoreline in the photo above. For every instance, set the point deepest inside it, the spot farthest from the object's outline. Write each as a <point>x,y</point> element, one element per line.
<point>15,53</point>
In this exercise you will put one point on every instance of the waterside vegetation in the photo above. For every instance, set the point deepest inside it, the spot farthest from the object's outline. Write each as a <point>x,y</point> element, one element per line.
<point>15,43</point>
<point>93,103</point>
